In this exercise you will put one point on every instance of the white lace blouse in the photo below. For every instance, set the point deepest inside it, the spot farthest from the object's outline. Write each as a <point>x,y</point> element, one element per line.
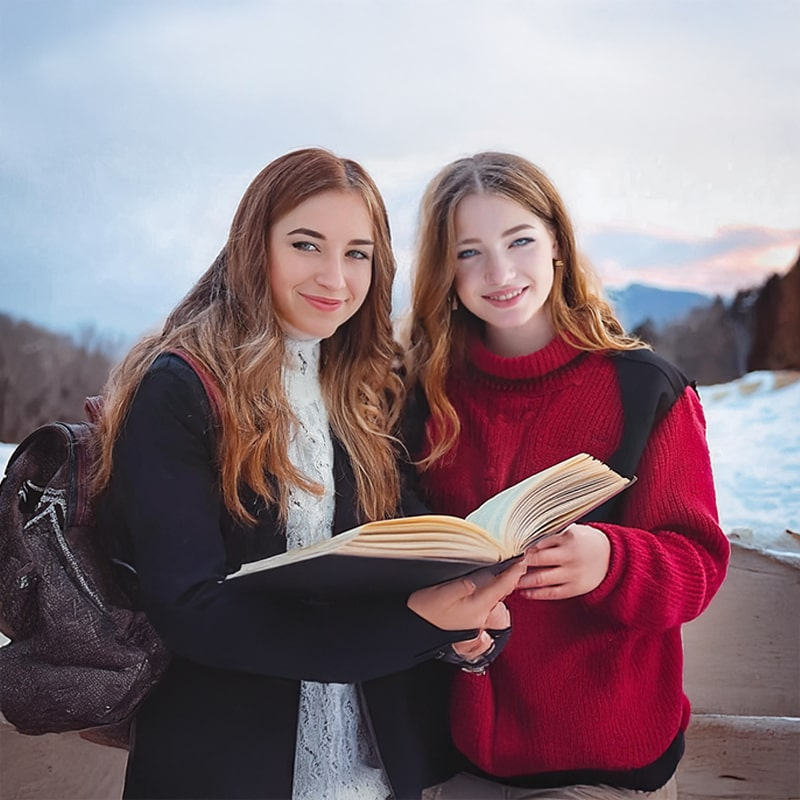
<point>334,758</point>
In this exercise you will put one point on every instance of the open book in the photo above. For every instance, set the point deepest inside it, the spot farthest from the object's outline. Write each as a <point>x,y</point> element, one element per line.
<point>405,554</point>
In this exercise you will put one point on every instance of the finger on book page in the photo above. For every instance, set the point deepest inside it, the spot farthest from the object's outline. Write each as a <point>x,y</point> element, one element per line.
<point>486,575</point>
<point>549,540</point>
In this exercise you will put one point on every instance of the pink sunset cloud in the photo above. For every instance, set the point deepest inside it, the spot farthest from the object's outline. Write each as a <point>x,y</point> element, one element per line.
<point>734,258</point>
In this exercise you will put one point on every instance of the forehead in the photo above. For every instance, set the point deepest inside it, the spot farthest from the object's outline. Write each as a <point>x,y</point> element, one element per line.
<point>485,211</point>
<point>332,213</point>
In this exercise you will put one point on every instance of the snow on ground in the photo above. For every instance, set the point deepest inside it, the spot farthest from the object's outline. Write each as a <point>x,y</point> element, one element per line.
<point>754,439</point>
<point>5,452</point>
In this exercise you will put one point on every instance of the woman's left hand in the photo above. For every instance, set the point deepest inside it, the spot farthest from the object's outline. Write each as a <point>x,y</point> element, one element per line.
<point>471,649</point>
<point>570,564</point>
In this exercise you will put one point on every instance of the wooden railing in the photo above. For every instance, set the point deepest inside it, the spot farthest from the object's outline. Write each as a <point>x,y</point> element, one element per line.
<point>742,675</point>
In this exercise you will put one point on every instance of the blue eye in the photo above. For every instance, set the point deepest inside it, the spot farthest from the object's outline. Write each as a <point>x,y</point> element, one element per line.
<point>359,255</point>
<point>469,253</point>
<point>306,247</point>
<point>522,241</point>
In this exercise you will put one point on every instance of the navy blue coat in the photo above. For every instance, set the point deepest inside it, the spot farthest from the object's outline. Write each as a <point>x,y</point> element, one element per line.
<point>222,722</point>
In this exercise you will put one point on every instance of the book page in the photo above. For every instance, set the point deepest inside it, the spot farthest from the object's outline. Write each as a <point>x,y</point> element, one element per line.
<point>493,515</point>
<point>431,536</point>
<point>426,536</point>
<point>546,502</point>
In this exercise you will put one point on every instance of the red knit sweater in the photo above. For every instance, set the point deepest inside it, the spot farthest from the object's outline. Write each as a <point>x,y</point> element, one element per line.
<point>594,682</point>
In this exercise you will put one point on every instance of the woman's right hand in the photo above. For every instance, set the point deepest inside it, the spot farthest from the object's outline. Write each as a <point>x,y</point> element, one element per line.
<point>460,604</point>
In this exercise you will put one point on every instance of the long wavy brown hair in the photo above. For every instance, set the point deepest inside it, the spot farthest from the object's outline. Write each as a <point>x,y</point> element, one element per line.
<point>437,334</point>
<point>227,322</point>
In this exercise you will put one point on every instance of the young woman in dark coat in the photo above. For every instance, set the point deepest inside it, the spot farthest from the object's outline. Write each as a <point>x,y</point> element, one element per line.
<point>271,696</point>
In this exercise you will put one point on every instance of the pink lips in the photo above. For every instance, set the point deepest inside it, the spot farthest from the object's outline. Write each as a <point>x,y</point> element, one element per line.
<point>323,303</point>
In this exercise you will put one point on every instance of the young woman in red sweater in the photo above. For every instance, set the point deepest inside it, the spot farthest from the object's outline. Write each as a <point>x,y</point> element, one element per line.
<point>517,362</point>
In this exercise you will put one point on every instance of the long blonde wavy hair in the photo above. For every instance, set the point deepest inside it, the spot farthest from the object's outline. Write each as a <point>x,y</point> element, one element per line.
<point>227,322</point>
<point>437,334</point>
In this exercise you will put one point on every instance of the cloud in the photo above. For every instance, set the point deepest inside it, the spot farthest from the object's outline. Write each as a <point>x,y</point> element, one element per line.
<point>731,259</point>
<point>130,130</point>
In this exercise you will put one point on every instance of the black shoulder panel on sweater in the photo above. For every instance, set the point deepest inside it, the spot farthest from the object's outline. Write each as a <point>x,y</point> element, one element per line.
<point>649,386</point>
<point>643,371</point>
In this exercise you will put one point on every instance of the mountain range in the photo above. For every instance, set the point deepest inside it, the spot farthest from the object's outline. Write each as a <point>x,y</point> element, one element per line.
<point>637,303</point>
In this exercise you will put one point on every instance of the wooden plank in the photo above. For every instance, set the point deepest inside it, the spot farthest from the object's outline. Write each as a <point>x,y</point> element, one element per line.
<point>61,766</point>
<point>741,758</point>
<point>743,653</point>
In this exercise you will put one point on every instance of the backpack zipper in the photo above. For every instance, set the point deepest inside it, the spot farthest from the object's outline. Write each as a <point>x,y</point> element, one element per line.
<point>56,500</point>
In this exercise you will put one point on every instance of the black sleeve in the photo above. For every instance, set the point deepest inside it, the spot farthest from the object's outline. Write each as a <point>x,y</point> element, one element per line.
<point>167,483</point>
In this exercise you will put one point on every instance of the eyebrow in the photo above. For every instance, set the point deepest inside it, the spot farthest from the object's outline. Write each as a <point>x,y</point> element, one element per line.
<point>318,235</point>
<point>509,232</point>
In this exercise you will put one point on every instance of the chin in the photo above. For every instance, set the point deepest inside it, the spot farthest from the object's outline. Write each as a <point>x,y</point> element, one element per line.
<point>326,331</point>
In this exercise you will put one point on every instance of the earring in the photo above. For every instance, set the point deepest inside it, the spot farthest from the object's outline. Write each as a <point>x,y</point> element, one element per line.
<point>557,262</point>
<point>454,303</point>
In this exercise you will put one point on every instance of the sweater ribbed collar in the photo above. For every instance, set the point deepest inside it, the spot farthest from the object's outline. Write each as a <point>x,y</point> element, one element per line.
<point>542,362</point>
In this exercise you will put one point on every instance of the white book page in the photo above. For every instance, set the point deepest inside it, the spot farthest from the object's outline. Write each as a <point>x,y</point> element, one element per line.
<point>495,515</point>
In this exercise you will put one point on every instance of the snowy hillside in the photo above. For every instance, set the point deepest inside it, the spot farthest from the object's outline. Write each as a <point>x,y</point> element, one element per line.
<point>754,438</point>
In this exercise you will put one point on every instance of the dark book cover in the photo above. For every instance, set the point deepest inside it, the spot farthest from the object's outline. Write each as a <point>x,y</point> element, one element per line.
<point>339,576</point>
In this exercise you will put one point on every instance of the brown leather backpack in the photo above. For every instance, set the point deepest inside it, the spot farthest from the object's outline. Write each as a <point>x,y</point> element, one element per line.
<point>81,654</point>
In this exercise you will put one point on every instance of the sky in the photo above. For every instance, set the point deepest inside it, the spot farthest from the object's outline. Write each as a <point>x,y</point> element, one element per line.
<point>129,131</point>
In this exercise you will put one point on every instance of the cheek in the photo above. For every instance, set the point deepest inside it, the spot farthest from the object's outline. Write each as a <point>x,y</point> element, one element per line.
<point>461,282</point>
<point>278,279</point>
<point>360,285</point>
<point>549,279</point>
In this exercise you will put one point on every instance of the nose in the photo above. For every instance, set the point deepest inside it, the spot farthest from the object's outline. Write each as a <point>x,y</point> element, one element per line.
<point>499,268</point>
<point>331,273</point>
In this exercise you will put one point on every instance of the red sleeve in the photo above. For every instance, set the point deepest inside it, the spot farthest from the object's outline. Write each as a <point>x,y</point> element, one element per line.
<point>669,555</point>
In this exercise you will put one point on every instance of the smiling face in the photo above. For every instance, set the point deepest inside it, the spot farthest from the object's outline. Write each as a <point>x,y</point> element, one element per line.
<point>320,263</point>
<point>504,271</point>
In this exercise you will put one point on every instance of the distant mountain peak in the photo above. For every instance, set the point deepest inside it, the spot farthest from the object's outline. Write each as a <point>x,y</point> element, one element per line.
<point>638,302</point>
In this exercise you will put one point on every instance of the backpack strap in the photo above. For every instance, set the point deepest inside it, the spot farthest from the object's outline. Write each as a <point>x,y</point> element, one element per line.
<point>93,406</point>
<point>649,386</point>
<point>54,447</point>
<point>212,390</point>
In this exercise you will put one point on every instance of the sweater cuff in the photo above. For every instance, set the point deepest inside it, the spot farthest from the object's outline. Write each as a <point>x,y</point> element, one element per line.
<point>615,565</point>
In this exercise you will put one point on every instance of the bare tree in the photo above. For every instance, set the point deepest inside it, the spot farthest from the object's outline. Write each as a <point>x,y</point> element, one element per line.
<point>45,376</point>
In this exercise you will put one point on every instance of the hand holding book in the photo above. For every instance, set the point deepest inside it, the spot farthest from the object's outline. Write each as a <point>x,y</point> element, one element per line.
<point>453,605</point>
<point>569,565</point>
